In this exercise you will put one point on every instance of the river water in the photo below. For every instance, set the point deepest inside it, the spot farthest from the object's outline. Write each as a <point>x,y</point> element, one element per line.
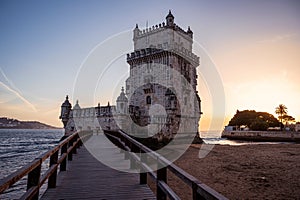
<point>19,147</point>
<point>214,137</point>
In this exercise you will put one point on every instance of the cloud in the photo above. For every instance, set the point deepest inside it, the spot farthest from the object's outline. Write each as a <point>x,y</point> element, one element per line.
<point>10,87</point>
<point>10,83</point>
<point>278,38</point>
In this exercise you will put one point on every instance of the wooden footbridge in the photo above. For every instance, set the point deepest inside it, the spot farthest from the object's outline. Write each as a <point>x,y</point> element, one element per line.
<point>74,173</point>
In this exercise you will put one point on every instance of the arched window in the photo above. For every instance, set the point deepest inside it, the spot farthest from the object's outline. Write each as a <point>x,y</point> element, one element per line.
<point>148,100</point>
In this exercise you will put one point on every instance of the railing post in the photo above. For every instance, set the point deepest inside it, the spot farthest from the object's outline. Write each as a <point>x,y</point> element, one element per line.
<point>70,154</point>
<point>196,195</point>
<point>161,176</point>
<point>34,179</point>
<point>63,165</point>
<point>126,156</point>
<point>75,147</point>
<point>53,176</point>
<point>133,149</point>
<point>122,140</point>
<point>80,141</point>
<point>143,175</point>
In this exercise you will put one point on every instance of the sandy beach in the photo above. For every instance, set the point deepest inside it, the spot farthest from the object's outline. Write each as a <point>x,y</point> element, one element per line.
<point>264,171</point>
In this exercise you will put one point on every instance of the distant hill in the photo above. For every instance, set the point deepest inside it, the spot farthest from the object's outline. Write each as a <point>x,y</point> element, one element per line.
<point>7,123</point>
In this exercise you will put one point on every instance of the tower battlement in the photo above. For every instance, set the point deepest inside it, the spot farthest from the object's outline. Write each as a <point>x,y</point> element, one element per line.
<point>147,52</point>
<point>160,27</point>
<point>167,36</point>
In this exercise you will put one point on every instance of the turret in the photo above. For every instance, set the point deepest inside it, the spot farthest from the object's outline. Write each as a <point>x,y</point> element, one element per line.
<point>190,32</point>
<point>170,19</point>
<point>76,109</point>
<point>136,31</point>
<point>122,103</point>
<point>76,106</point>
<point>65,111</point>
<point>98,110</point>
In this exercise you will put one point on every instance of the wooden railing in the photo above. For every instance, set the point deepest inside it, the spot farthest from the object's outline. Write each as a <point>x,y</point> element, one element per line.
<point>163,190</point>
<point>68,147</point>
<point>35,179</point>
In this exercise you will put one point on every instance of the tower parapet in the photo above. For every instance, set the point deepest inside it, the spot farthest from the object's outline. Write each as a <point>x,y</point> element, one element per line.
<point>92,118</point>
<point>163,34</point>
<point>160,27</point>
<point>185,53</point>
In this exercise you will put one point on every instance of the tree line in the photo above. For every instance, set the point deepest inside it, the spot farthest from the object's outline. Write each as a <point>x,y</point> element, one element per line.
<point>261,121</point>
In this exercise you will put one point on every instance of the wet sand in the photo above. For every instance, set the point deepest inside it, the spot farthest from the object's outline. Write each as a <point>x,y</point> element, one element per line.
<point>264,171</point>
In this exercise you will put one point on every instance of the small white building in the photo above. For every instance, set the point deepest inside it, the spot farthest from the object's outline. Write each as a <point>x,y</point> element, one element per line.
<point>230,128</point>
<point>297,127</point>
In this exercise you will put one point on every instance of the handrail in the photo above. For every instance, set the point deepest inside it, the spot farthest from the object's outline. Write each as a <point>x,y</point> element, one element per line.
<point>67,147</point>
<point>200,190</point>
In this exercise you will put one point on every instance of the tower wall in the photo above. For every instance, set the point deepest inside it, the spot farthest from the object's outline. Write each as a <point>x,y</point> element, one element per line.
<point>162,38</point>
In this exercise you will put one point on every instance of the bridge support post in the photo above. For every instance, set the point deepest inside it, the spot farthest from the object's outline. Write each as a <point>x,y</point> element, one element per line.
<point>52,178</point>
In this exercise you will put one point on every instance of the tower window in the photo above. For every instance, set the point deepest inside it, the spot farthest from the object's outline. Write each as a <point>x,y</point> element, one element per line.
<point>148,100</point>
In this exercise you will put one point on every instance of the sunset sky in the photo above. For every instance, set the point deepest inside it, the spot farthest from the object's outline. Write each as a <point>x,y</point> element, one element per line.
<point>253,46</point>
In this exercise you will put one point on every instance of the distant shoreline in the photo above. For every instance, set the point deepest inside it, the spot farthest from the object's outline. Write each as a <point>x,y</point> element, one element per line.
<point>14,128</point>
<point>263,136</point>
<point>9,123</point>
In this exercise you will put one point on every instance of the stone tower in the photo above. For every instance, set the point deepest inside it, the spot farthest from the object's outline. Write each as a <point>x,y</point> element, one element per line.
<point>161,88</point>
<point>161,99</point>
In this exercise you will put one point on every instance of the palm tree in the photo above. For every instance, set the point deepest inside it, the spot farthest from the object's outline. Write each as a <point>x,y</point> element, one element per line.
<point>281,110</point>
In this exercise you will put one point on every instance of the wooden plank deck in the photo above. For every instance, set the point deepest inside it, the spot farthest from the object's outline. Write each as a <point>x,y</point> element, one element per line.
<point>88,178</point>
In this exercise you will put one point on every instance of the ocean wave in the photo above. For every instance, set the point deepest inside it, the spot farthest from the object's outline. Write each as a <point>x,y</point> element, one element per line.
<point>18,148</point>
